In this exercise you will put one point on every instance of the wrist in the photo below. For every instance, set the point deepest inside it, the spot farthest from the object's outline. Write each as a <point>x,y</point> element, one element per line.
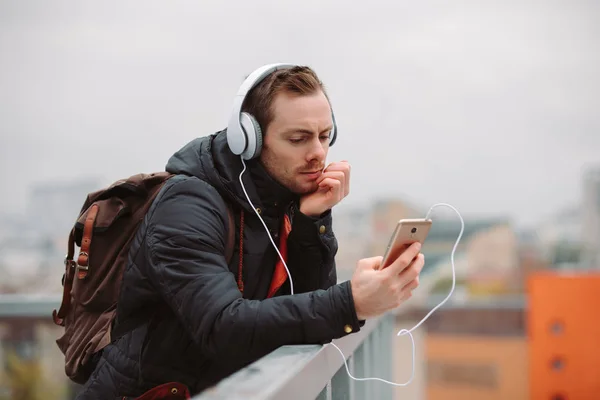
<point>308,212</point>
<point>356,304</point>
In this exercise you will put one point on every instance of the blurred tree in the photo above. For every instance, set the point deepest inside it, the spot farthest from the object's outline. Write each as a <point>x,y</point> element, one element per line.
<point>443,285</point>
<point>25,380</point>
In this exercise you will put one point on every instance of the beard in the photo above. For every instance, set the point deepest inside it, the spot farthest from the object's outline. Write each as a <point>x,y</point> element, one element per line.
<point>290,177</point>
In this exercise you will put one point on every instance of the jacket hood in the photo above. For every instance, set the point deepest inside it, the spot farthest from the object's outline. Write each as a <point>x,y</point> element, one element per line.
<point>209,158</point>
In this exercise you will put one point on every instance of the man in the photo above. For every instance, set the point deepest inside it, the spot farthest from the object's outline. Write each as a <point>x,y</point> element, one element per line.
<point>212,318</point>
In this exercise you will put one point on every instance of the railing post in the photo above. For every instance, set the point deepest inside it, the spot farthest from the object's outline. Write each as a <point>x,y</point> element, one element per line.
<point>376,366</point>
<point>360,370</point>
<point>386,335</point>
<point>340,385</point>
<point>350,380</point>
<point>325,393</point>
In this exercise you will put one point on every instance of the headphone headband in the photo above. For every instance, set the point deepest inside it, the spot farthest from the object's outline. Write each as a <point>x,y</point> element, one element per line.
<point>244,135</point>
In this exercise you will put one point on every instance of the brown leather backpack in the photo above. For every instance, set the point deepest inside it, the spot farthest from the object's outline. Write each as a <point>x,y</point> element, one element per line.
<point>104,229</point>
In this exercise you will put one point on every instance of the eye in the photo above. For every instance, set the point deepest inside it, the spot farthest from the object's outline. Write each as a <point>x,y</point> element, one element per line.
<point>296,141</point>
<point>324,137</point>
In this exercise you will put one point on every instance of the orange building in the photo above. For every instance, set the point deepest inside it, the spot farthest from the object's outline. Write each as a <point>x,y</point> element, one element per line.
<point>564,335</point>
<point>544,345</point>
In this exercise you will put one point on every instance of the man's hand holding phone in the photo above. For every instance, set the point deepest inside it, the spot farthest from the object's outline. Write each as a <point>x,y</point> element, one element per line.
<point>333,186</point>
<point>376,291</point>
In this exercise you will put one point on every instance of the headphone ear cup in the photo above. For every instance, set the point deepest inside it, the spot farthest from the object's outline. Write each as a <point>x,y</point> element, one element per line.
<point>259,138</point>
<point>253,135</point>
<point>333,134</point>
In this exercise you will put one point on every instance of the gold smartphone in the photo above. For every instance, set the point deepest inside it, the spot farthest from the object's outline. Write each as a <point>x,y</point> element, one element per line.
<point>406,233</point>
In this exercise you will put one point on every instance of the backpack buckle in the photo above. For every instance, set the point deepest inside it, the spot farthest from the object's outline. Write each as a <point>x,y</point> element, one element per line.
<point>82,271</point>
<point>82,265</point>
<point>69,262</point>
<point>69,266</point>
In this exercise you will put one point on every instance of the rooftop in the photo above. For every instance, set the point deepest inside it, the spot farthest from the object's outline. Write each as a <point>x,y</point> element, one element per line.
<point>26,305</point>
<point>448,229</point>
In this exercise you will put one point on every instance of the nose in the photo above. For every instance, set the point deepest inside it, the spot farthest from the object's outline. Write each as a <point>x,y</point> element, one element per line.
<point>318,150</point>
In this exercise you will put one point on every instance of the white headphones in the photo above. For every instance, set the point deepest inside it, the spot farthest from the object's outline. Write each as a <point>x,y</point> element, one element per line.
<point>244,134</point>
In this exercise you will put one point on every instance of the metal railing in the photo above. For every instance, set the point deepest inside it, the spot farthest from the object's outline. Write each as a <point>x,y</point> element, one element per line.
<point>318,372</point>
<point>290,372</point>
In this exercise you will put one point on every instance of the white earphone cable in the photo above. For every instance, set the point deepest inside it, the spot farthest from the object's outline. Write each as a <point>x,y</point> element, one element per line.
<point>402,332</point>
<point>266,228</point>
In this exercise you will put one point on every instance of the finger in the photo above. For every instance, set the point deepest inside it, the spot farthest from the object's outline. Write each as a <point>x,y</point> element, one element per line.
<point>338,166</point>
<point>339,175</point>
<point>332,185</point>
<point>372,262</point>
<point>412,271</point>
<point>406,292</point>
<point>419,259</point>
<point>336,176</point>
<point>347,185</point>
<point>342,166</point>
<point>405,296</point>
<point>412,285</point>
<point>404,260</point>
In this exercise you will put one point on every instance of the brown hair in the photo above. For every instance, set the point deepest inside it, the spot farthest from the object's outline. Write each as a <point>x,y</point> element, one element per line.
<point>299,80</point>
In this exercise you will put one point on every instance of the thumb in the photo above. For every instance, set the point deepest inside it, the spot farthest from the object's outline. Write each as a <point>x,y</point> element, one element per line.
<point>370,263</point>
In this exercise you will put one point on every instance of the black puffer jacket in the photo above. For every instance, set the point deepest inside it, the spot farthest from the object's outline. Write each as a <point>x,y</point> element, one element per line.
<point>197,327</point>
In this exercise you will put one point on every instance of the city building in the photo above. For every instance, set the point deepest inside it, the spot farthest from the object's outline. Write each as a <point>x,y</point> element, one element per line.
<point>352,229</point>
<point>53,207</point>
<point>591,218</point>
<point>474,350</point>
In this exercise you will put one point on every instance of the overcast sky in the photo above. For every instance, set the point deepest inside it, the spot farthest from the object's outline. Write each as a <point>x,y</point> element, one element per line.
<point>493,106</point>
